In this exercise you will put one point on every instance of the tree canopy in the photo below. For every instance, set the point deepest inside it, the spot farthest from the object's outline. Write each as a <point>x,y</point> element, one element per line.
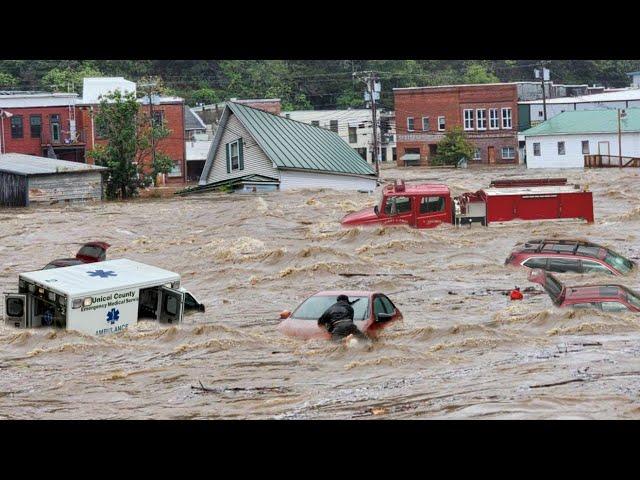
<point>304,84</point>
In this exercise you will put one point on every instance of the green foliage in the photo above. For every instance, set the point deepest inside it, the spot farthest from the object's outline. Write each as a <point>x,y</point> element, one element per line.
<point>68,79</point>
<point>129,131</point>
<point>453,147</point>
<point>350,99</point>
<point>7,80</point>
<point>477,73</point>
<point>204,95</point>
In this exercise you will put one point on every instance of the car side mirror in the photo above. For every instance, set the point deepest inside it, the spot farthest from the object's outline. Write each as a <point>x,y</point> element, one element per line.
<point>384,317</point>
<point>376,210</point>
<point>285,314</point>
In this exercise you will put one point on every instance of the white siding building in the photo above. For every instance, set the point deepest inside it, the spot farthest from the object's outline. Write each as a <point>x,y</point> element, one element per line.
<point>355,127</point>
<point>563,141</point>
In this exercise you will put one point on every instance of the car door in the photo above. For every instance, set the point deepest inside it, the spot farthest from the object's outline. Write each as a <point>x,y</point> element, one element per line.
<point>614,306</point>
<point>398,209</point>
<point>431,211</point>
<point>15,309</point>
<point>589,266</point>
<point>171,305</point>
<point>564,265</point>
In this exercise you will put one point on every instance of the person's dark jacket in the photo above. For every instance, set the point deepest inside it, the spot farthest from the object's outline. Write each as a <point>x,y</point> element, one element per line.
<point>339,313</point>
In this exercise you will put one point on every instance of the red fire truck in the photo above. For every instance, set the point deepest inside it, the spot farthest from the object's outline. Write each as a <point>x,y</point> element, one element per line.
<point>429,205</point>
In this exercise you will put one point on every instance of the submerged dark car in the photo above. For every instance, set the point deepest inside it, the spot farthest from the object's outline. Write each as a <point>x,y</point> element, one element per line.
<point>89,253</point>
<point>569,256</point>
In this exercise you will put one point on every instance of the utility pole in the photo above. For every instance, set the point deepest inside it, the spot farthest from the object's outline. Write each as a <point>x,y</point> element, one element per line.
<point>621,114</point>
<point>370,81</point>
<point>544,73</point>
<point>150,86</point>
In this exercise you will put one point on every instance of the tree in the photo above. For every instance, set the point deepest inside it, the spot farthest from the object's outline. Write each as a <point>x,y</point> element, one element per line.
<point>7,80</point>
<point>62,79</point>
<point>453,147</point>
<point>477,73</point>
<point>130,133</point>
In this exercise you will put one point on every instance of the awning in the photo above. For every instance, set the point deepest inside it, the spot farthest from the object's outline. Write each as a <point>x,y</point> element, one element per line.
<point>410,156</point>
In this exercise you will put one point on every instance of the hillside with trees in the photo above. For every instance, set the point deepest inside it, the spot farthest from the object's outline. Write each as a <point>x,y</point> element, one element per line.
<point>301,84</point>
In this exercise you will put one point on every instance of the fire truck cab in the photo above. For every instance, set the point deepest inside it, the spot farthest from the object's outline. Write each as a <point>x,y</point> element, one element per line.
<point>419,206</point>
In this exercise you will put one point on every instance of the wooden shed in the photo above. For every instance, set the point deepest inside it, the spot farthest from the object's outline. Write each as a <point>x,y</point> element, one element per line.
<point>26,179</point>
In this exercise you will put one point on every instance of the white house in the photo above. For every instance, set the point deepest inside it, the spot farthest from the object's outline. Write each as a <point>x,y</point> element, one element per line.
<point>564,140</point>
<point>355,126</point>
<point>257,150</point>
<point>635,79</point>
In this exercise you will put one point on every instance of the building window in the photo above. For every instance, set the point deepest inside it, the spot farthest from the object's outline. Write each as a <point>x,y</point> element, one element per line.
<point>176,171</point>
<point>235,160</point>
<point>560,148</point>
<point>394,154</point>
<point>35,122</point>
<point>536,149</point>
<point>493,119</point>
<point>508,153</point>
<point>158,118</point>
<point>315,123</point>
<point>468,119</point>
<point>362,152</point>
<point>477,154</point>
<point>585,147</point>
<point>16,126</point>
<point>425,124</point>
<point>410,124</point>
<point>333,126</point>
<point>540,113</point>
<point>506,118</point>
<point>481,115</point>
<point>441,124</point>
<point>353,135</point>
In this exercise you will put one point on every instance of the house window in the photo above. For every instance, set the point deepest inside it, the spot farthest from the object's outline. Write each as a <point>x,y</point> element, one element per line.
<point>394,154</point>
<point>176,171</point>
<point>468,119</point>
<point>315,123</point>
<point>585,147</point>
<point>493,119</point>
<point>158,118</point>
<point>333,126</point>
<point>441,124</point>
<point>410,124</point>
<point>35,122</point>
<point>235,160</point>
<point>540,113</point>
<point>477,154</point>
<point>560,148</point>
<point>353,135</point>
<point>508,153</point>
<point>506,118</point>
<point>536,149</point>
<point>425,124</point>
<point>481,115</point>
<point>16,126</point>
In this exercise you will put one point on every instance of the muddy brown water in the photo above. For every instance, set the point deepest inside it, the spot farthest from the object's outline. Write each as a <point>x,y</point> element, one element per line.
<point>470,354</point>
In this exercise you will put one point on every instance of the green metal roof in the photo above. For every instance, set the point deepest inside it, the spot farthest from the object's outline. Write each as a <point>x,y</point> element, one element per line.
<point>587,121</point>
<point>292,144</point>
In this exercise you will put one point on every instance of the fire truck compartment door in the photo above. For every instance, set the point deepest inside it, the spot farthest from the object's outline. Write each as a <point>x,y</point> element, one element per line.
<point>15,309</point>
<point>171,305</point>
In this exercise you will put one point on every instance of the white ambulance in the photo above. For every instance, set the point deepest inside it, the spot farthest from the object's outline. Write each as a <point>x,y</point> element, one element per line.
<point>97,298</point>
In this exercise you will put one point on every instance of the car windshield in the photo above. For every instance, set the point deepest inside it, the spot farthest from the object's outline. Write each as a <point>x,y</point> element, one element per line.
<point>313,307</point>
<point>618,262</point>
<point>91,251</point>
<point>633,298</point>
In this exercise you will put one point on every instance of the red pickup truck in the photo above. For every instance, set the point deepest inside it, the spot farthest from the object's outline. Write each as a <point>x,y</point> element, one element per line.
<point>90,252</point>
<point>429,205</point>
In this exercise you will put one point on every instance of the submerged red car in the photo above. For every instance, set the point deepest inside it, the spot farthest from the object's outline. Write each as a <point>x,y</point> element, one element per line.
<point>608,298</point>
<point>373,311</point>
<point>563,255</point>
<point>90,252</point>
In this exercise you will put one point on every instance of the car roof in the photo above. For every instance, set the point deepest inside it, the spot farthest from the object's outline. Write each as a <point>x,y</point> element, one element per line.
<point>103,245</point>
<point>348,293</point>
<point>562,247</point>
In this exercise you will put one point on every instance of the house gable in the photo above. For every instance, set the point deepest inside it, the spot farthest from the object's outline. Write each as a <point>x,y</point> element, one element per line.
<point>254,159</point>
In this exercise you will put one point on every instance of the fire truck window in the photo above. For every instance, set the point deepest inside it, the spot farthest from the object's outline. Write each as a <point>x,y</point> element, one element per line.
<point>536,263</point>
<point>396,205</point>
<point>613,307</point>
<point>431,204</point>
<point>563,265</point>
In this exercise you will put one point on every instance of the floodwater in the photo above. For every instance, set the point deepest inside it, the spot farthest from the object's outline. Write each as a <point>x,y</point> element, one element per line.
<point>463,350</point>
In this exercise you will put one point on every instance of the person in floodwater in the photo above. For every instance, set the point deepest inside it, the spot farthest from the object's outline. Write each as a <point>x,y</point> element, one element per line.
<point>516,294</point>
<point>338,320</point>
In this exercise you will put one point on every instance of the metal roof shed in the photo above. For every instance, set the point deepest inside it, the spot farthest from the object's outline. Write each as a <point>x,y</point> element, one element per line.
<point>27,178</point>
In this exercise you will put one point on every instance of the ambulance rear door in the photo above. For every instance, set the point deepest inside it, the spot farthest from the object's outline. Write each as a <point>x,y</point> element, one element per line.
<point>15,309</point>
<point>171,306</point>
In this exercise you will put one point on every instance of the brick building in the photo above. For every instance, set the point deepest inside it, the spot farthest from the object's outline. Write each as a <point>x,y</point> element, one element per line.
<point>486,112</point>
<point>41,123</point>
